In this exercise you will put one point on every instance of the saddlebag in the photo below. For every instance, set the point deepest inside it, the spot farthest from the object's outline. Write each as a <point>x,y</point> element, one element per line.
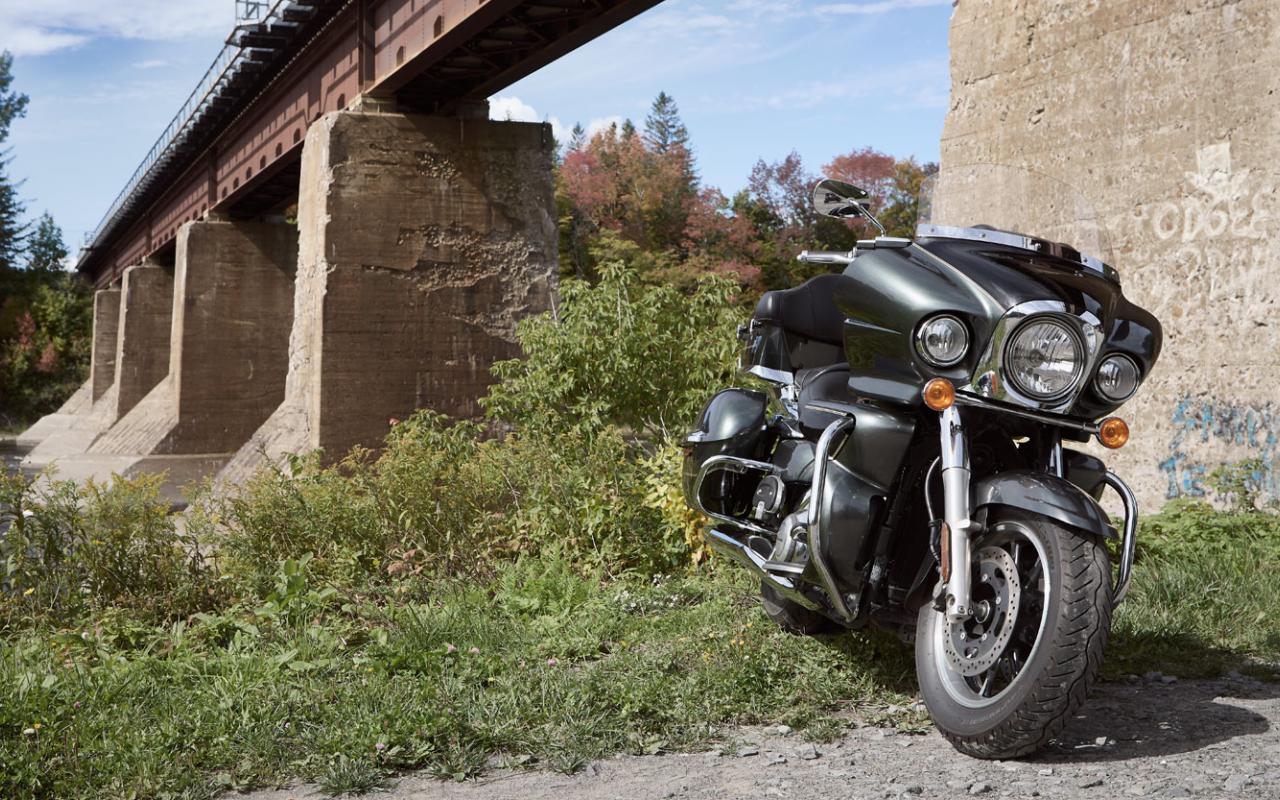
<point>732,424</point>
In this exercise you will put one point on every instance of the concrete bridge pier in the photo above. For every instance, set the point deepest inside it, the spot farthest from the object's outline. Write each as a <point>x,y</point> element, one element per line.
<point>106,330</point>
<point>422,241</point>
<point>227,344</point>
<point>92,409</point>
<point>142,341</point>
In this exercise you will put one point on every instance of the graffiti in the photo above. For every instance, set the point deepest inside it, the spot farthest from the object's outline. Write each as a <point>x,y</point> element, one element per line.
<point>1219,203</point>
<point>1208,421</point>
<point>1216,236</point>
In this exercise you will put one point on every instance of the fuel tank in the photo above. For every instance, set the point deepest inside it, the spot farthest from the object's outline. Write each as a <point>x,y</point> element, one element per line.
<point>889,292</point>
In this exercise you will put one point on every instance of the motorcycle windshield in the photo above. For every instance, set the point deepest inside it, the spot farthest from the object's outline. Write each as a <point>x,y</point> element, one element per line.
<point>968,200</point>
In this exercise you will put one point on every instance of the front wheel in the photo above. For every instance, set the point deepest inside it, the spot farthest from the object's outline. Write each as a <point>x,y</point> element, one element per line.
<point>1004,683</point>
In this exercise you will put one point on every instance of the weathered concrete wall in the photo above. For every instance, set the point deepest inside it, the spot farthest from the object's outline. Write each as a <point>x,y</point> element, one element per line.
<point>231,332</point>
<point>106,329</point>
<point>228,347</point>
<point>142,346</point>
<point>1167,116</point>
<point>422,242</point>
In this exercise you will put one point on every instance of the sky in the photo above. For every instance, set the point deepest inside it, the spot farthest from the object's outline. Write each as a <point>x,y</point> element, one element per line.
<point>753,79</point>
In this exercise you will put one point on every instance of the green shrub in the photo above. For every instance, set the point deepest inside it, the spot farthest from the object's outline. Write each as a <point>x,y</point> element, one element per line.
<point>619,352</point>
<point>442,501</point>
<point>66,550</point>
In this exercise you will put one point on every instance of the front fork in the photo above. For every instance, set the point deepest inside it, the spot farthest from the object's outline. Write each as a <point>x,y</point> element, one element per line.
<point>958,525</point>
<point>957,515</point>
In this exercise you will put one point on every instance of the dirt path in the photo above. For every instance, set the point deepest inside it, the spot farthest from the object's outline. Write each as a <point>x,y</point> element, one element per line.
<point>1149,739</point>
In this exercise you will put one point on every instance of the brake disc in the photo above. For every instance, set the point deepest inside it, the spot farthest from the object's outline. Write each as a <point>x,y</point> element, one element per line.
<point>974,645</point>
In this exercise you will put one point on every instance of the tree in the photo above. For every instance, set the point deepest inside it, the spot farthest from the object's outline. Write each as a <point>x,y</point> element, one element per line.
<point>46,251</point>
<point>628,130</point>
<point>13,231</point>
<point>12,104</point>
<point>866,168</point>
<point>577,138</point>
<point>663,128</point>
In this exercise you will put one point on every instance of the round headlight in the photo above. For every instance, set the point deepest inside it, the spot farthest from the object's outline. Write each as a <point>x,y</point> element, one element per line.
<point>942,341</point>
<point>1117,378</point>
<point>1044,359</point>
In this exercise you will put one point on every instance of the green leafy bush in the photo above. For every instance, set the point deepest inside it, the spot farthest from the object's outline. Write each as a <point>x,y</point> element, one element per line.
<point>619,352</point>
<point>66,550</point>
<point>442,501</point>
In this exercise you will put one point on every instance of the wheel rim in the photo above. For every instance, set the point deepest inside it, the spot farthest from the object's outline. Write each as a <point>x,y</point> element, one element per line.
<point>1011,579</point>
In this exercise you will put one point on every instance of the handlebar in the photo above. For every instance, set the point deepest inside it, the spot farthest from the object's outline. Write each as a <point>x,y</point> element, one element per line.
<point>821,257</point>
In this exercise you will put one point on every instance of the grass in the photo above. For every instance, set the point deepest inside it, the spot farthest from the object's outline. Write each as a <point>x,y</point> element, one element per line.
<point>543,667</point>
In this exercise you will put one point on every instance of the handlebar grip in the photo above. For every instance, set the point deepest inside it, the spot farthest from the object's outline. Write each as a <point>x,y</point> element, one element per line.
<point>821,257</point>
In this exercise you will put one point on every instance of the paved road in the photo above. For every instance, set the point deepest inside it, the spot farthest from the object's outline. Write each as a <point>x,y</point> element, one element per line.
<point>1202,739</point>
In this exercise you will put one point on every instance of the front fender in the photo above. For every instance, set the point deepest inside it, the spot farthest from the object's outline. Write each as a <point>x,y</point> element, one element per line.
<point>1047,495</point>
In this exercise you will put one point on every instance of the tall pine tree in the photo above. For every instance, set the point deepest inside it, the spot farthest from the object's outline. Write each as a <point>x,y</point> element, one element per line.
<point>13,231</point>
<point>577,138</point>
<point>663,128</point>
<point>46,251</point>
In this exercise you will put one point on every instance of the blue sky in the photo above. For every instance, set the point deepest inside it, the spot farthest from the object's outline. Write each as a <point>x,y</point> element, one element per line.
<point>753,78</point>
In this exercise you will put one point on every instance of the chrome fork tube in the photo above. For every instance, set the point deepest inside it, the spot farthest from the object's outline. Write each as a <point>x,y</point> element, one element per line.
<point>956,512</point>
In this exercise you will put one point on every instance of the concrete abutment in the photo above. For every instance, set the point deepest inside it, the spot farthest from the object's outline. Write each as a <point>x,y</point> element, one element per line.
<point>227,345</point>
<point>106,329</point>
<point>422,242</point>
<point>142,342</point>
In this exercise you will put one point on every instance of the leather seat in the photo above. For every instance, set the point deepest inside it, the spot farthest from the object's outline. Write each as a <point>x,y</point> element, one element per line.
<point>808,310</point>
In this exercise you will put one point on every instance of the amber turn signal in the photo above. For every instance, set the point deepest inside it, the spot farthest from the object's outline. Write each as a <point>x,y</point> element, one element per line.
<point>1113,433</point>
<point>939,394</point>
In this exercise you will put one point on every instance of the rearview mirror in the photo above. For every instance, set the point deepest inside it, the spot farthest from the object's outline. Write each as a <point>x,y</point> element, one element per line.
<point>832,198</point>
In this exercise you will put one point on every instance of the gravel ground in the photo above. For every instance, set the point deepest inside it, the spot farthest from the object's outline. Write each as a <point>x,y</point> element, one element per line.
<point>1150,737</point>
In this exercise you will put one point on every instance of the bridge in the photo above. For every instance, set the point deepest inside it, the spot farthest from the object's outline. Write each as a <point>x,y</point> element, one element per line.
<point>234,148</point>
<point>329,235</point>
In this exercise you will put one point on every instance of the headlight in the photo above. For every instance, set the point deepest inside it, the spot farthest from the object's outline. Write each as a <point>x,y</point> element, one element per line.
<point>1044,359</point>
<point>1117,378</point>
<point>942,341</point>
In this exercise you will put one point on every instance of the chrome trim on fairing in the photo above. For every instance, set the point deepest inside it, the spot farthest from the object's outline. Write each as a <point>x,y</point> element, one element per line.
<point>727,545</point>
<point>956,510</point>
<point>964,399</point>
<point>737,466</point>
<point>821,458</point>
<point>772,375</point>
<point>1020,241</point>
<point>924,351</point>
<point>1086,325</point>
<point>1129,545</point>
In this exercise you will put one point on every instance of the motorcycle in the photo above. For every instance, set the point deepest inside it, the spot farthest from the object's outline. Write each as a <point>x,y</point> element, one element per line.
<point>905,465</point>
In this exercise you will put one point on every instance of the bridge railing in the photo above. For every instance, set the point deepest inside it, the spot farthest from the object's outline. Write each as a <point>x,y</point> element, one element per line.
<point>220,72</point>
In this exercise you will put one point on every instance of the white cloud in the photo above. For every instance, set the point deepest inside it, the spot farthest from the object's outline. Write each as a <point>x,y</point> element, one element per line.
<point>919,84</point>
<point>782,9</point>
<point>23,41</point>
<point>155,63</point>
<point>513,109</point>
<point>38,27</point>
<point>602,124</point>
<point>878,7</point>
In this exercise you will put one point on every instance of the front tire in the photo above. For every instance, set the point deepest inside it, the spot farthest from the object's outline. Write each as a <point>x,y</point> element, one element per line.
<point>1058,586</point>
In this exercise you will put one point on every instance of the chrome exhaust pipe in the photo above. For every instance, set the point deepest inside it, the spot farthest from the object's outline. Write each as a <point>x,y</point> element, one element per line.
<point>728,546</point>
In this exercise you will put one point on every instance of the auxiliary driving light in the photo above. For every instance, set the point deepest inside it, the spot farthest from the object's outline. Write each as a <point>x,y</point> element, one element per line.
<point>939,394</point>
<point>1113,433</point>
